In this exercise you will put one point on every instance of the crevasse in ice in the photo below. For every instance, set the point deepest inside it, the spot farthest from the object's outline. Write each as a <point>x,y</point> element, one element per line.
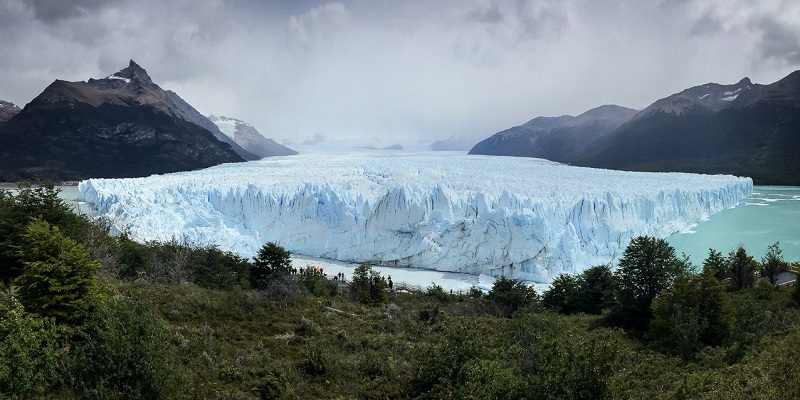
<point>523,218</point>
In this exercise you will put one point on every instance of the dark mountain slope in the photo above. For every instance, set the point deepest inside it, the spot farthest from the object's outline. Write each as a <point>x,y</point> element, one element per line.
<point>120,126</point>
<point>519,140</point>
<point>756,134</point>
<point>556,138</point>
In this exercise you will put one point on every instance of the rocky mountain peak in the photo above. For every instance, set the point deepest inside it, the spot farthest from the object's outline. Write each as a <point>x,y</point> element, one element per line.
<point>133,72</point>
<point>7,110</point>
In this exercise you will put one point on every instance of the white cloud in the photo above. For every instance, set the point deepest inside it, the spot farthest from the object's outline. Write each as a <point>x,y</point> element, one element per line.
<point>413,69</point>
<point>317,22</point>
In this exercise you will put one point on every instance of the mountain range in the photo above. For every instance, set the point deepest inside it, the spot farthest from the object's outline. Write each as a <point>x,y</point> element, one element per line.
<point>123,125</point>
<point>742,129</point>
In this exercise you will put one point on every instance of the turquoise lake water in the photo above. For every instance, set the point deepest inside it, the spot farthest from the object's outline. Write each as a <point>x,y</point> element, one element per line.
<point>771,214</point>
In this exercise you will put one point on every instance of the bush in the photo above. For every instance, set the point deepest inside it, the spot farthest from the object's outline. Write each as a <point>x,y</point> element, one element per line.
<point>440,364</point>
<point>59,279</point>
<point>274,385</point>
<point>367,287</point>
<point>316,283</point>
<point>510,295</point>
<point>437,292</point>
<point>29,353</point>
<point>316,362</point>
<point>563,361</point>
<point>125,353</point>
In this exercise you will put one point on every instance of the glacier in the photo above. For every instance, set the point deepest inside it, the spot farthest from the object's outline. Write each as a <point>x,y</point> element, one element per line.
<point>522,218</point>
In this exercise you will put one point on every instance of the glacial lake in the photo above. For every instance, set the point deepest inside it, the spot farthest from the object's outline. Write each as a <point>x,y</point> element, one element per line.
<point>771,214</point>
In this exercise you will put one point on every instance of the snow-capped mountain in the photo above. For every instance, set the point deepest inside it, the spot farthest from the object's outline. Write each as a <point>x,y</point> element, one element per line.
<point>710,97</point>
<point>249,138</point>
<point>122,125</point>
<point>522,218</point>
<point>8,110</point>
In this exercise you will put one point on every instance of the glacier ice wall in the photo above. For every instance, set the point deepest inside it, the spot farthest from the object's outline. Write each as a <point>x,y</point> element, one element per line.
<point>523,218</point>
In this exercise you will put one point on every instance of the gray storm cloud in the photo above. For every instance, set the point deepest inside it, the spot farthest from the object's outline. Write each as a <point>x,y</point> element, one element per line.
<point>410,71</point>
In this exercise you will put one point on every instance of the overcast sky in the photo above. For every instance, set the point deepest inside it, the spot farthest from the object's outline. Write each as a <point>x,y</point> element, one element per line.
<point>400,70</point>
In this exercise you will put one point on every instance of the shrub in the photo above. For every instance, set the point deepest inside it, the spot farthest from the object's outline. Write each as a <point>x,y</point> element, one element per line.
<point>316,362</point>
<point>59,279</point>
<point>29,353</point>
<point>124,353</point>
<point>367,287</point>
<point>437,292</point>
<point>563,361</point>
<point>509,295</point>
<point>316,283</point>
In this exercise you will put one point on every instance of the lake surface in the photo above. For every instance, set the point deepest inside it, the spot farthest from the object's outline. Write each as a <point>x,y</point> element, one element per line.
<point>771,214</point>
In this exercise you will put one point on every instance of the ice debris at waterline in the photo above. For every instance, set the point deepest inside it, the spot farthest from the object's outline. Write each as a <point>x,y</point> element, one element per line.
<point>523,218</point>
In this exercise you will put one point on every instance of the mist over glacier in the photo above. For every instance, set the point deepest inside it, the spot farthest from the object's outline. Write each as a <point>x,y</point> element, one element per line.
<point>523,218</point>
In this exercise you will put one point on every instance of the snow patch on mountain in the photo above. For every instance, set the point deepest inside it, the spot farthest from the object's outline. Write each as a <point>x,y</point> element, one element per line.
<point>519,217</point>
<point>226,125</point>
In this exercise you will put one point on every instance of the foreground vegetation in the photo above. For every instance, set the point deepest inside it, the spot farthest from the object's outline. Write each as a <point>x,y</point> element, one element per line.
<point>86,315</point>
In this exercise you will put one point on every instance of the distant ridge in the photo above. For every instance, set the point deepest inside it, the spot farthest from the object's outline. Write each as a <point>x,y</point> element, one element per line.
<point>249,137</point>
<point>555,138</point>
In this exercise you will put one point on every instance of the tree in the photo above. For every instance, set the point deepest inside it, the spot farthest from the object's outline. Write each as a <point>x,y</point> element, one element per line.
<point>33,199</point>
<point>772,264</point>
<point>560,294</point>
<point>695,311</point>
<point>591,292</point>
<point>716,308</point>
<point>677,324</point>
<point>272,261</point>
<point>741,267</point>
<point>595,290</point>
<point>59,278</point>
<point>509,295</point>
<point>366,286</point>
<point>647,267</point>
<point>716,264</point>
